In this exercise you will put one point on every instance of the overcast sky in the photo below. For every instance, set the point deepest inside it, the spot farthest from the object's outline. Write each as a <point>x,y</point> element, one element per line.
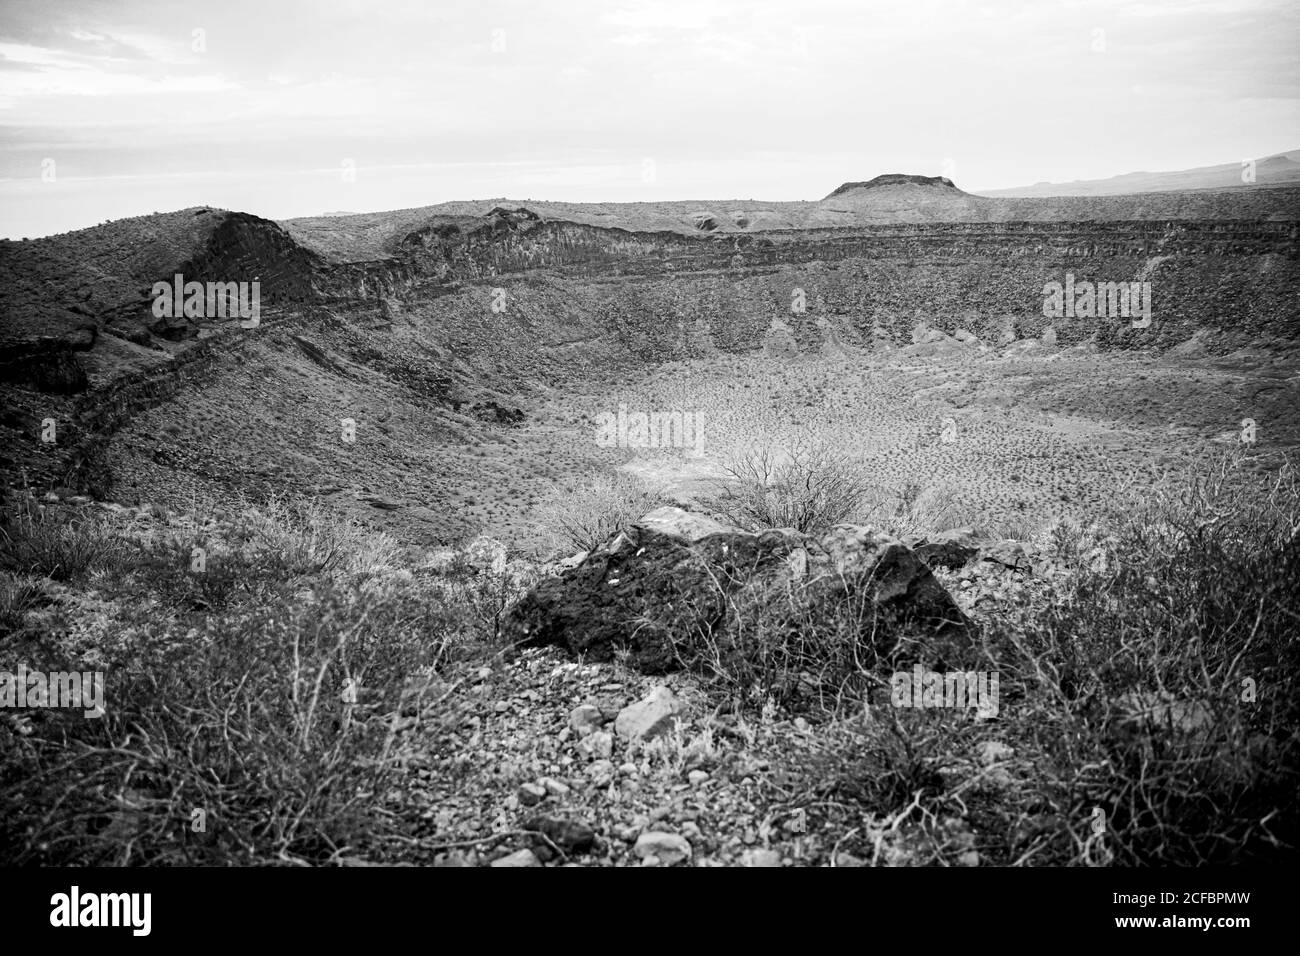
<point>135,106</point>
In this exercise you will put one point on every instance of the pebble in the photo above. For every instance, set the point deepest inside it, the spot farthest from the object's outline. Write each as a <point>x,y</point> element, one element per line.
<point>598,744</point>
<point>697,777</point>
<point>518,858</point>
<point>554,787</point>
<point>585,719</point>
<point>666,848</point>
<point>531,794</point>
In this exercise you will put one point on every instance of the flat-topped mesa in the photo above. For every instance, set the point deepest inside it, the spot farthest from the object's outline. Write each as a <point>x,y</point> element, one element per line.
<point>899,179</point>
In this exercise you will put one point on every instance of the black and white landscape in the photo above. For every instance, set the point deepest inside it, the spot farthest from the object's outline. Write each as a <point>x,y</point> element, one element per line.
<point>938,507</point>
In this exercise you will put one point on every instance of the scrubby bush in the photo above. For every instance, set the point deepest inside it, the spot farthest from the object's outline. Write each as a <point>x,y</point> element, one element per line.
<point>1152,699</point>
<point>586,513</point>
<point>254,713</point>
<point>809,487</point>
<point>38,541</point>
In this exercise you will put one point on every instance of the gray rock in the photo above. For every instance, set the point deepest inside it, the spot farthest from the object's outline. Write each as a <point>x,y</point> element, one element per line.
<point>947,549</point>
<point>758,857</point>
<point>585,718</point>
<point>682,525</point>
<point>669,848</point>
<point>599,745</point>
<point>649,718</point>
<point>531,794</point>
<point>554,787</point>
<point>1008,554</point>
<point>571,836</point>
<point>518,858</point>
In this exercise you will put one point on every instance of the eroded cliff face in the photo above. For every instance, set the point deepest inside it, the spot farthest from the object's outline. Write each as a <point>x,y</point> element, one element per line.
<point>510,297</point>
<point>668,294</point>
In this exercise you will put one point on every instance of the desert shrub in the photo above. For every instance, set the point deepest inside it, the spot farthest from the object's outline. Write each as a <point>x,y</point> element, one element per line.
<point>279,723</point>
<point>587,513</point>
<point>481,578</point>
<point>18,595</point>
<point>767,648</point>
<point>308,538</point>
<point>51,543</point>
<point>1161,688</point>
<point>809,487</point>
<point>1151,700</point>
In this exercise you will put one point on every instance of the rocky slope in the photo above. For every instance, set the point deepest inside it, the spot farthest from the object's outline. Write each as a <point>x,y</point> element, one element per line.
<point>459,309</point>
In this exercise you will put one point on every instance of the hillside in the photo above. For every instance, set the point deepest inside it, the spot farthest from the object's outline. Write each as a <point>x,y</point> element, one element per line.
<point>371,588</point>
<point>1282,169</point>
<point>390,320</point>
<point>882,201</point>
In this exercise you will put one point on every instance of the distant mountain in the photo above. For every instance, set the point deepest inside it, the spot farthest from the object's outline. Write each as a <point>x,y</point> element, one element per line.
<point>1280,170</point>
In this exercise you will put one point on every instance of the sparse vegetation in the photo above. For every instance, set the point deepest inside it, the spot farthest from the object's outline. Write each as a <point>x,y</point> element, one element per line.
<point>808,487</point>
<point>585,513</point>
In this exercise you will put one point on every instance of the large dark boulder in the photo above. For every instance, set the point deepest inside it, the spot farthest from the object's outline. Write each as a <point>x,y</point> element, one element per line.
<point>951,549</point>
<point>675,580</point>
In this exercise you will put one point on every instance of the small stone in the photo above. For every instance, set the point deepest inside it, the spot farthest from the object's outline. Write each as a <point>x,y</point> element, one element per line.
<point>518,858</point>
<point>571,836</point>
<point>601,772</point>
<point>969,858</point>
<point>760,858</point>
<point>628,769</point>
<point>554,787</point>
<point>598,744</point>
<point>585,719</point>
<point>531,794</point>
<point>501,706</point>
<point>697,777</point>
<point>800,724</point>
<point>650,717</point>
<point>484,673</point>
<point>669,848</point>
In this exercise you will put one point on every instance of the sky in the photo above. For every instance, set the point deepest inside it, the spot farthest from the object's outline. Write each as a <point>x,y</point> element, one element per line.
<point>282,108</point>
